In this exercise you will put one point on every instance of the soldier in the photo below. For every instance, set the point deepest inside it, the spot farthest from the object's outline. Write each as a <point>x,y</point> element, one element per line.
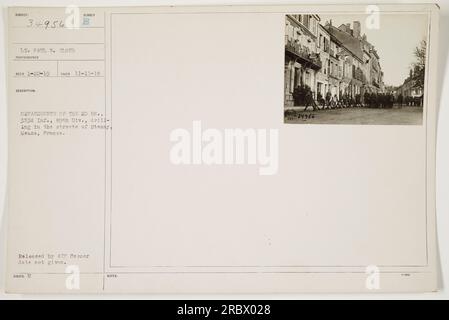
<point>400,100</point>
<point>328,99</point>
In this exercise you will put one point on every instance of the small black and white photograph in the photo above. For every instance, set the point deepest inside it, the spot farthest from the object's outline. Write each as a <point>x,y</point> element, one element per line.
<point>355,68</point>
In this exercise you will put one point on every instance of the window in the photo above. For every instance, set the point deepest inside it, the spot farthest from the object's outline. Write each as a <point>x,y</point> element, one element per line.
<point>326,44</point>
<point>292,80</point>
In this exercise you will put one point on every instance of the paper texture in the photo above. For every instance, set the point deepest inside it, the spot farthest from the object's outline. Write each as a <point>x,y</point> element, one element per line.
<point>222,149</point>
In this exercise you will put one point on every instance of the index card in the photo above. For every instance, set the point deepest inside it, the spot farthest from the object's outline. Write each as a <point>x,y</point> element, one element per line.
<point>222,149</point>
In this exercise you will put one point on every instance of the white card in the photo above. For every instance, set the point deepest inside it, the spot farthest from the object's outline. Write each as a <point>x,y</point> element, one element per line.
<point>222,149</point>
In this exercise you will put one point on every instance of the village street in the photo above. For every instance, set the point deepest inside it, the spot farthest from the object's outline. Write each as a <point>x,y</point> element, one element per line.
<point>400,116</point>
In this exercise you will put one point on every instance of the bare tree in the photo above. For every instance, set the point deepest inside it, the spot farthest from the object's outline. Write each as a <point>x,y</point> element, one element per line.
<point>420,54</point>
<point>419,65</point>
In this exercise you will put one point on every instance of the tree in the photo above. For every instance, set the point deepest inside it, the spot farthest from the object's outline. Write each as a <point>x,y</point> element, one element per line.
<point>419,65</point>
<point>420,55</point>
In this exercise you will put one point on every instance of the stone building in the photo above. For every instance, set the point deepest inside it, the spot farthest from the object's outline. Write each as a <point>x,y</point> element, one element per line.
<point>329,59</point>
<point>322,77</point>
<point>301,58</point>
<point>350,40</point>
<point>373,69</point>
<point>335,65</point>
<point>411,88</point>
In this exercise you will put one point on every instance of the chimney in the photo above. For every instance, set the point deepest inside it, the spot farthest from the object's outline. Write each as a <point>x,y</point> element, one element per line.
<point>348,28</point>
<point>357,29</point>
<point>343,28</point>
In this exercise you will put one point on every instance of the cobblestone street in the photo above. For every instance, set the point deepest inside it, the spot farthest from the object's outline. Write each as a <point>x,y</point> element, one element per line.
<point>396,115</point>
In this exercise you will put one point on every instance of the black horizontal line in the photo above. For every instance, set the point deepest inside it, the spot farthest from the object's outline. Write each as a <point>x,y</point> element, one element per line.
<point>219,272</point>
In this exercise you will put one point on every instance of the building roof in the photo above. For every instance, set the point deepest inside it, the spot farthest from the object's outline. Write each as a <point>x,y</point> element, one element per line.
<point>347,40</point>
<point>323,28</point>
<point>300,25</point>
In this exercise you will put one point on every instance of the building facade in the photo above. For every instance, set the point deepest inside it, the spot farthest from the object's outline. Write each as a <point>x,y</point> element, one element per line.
<point>323,49</point>
<point>329,60</point>
<point>302,62</point>
<point>411,87</point>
